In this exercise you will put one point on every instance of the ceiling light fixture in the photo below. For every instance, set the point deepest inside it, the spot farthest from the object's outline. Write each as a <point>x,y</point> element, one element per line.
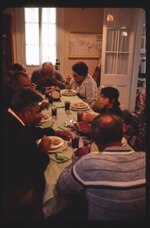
<point>110,17</point>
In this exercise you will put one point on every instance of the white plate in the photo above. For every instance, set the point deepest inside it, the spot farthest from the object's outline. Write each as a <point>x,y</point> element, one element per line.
<point>56,138</point>
<point>124,142</point>
<point>68,92</point>
<point>80,106</point>
<point>82,109</point>
<point>59,149</point>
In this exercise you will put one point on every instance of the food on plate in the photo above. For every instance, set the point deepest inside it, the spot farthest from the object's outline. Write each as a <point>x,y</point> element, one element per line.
<point>55,95</point>
<point>55,141</point>
<point>65,134</point>
<point>83,126</point>
<point>69,92</point>
<point>80,105</point>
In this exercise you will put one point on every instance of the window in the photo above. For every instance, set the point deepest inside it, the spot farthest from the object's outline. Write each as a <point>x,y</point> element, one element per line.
<point>117,51</point>
<point>40,35</point>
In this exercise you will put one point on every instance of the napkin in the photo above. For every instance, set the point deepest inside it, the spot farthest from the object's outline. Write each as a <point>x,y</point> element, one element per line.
<point>60,158</point>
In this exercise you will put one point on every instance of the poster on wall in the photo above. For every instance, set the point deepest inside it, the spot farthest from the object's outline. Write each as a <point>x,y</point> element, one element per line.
<point>85,45</point>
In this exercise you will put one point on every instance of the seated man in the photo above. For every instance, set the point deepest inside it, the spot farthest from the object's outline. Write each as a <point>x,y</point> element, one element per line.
<point>7,73</point>
<point>47,76</point>
<point>23,162</point>
<point>111,181</point>
<point>20,79</point>
<point>17,80</point>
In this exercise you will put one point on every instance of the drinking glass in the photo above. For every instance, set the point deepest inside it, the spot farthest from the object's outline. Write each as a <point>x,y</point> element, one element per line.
<point>50,99</point>
<point>75,142</point>
<point>54,112</point>
<point>87,142</point>
<point>67,106</point>
<point>79,116</point>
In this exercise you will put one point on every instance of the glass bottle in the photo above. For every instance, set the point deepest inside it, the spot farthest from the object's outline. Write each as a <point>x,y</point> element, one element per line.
<point>57,64</point>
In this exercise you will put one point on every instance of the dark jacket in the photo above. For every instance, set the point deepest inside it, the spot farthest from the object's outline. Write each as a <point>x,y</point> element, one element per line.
<point>23,164</point>
<point>6,97</point>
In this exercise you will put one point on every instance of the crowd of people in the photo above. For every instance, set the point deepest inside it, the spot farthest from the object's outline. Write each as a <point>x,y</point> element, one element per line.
<point>112,182</point>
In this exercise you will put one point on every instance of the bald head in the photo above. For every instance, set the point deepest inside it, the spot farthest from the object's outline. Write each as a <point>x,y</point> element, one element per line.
<point>47,68</point>
<point>107,129</point>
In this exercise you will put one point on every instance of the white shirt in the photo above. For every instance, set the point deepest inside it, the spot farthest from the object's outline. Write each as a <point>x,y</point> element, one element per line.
<point>87,89</point>
<point>17,117</point>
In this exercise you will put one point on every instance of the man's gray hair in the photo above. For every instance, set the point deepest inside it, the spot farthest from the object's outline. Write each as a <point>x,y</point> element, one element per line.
<point>25,97</point>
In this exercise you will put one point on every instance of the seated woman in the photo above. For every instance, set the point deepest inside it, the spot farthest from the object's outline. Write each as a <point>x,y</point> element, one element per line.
<point>108,102</point>
<point>83,82</point>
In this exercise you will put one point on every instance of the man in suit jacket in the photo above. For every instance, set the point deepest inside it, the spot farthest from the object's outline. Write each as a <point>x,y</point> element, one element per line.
<point>23,162</point>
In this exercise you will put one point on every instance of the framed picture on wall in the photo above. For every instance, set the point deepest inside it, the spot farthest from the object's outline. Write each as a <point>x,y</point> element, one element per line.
<point>85,45</point>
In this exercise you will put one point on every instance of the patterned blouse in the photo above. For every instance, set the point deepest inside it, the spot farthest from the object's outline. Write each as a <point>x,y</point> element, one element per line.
<point>140,142</point>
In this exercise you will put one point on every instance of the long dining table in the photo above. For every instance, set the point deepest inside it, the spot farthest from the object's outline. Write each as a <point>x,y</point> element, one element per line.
<point>53,202</point>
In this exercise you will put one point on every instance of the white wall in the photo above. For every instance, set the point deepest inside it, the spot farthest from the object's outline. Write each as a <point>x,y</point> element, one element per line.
<point>81,20</point>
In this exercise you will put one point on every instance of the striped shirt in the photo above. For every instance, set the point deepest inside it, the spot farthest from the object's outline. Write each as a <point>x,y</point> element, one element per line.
<point>113,182</point>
